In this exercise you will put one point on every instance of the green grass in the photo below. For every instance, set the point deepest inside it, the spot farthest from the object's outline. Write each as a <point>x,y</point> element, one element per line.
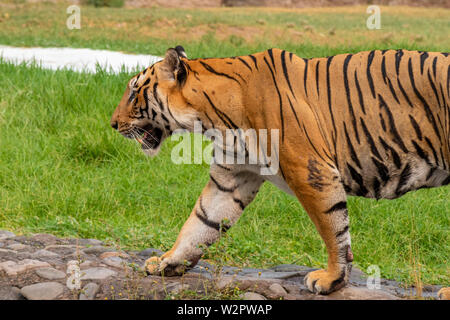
<point>64,171</point>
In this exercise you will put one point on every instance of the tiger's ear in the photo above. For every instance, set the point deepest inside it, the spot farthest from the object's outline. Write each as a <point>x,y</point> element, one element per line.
<point>173,67</point>
<point>181,52</point>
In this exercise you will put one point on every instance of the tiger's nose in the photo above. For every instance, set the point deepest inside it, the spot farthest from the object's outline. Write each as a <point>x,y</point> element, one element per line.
<point>114,125</point>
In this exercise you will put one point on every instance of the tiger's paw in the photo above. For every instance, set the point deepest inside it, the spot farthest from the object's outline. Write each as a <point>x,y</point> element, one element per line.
<point>324,282</point>
<point>444,294</point>
<point>162,266</point>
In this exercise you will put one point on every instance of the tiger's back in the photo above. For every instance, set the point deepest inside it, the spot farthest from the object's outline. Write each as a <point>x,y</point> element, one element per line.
<point>380,117</point>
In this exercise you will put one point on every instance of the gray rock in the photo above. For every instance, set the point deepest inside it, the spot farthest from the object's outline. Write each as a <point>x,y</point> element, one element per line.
<point>44,254</point>
<point>45,239</point>
<point>277,290</point>
<point>13,268</point>
<point>96,250</point>
<point>115,262</point>
<point>224,282</point>
<point>50,273</point>
<point>43,291</point>
<point>292,268</point>
<point>4,234</point>
<point>7,252</point>
<point>89,242</point>
<point>150,252</point>
<point>274,275</point>
<point>10,293</point>
<point>18,246</point>
<point>89,291</point>
<point>355,293</point>
<point>176,288</point>
<point>253,296</point>
<point>98,273</point>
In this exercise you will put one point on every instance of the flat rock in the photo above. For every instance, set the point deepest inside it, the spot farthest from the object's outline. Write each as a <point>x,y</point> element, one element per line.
<point>96,250</point>
<point>18,246</point>
<point>150,252</point>
<point>277,290</point>
<point>7,252</point>
<point>43,291</point>
<point>10,293</point>
<point>44,254</point>
<point>50,273</point>
<point>97,273</point>
<point>109,254</point>
<point>274,275</point>
<point>4,234</point>
<point>355,293</point>
<point>89,291</point>
<point>116,262</point>
<point>292,268</point>
<point>253,296</point>
<point>13,268</point>
<point>45,239</point>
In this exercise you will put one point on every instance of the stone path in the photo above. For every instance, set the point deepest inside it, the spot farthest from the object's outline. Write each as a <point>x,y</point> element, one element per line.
<point>44,267</point>
<point>77,59</point>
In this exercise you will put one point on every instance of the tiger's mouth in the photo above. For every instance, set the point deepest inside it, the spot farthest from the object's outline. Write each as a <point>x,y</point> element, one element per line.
<point>149,137</point>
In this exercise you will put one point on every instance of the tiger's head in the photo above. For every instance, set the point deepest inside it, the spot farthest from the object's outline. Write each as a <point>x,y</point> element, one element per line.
<point>153,105</point>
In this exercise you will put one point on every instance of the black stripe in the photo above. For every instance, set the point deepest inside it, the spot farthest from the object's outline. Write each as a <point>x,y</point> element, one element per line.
<point>279,97</point>
<point>317,78</point>
<point>434,66</point>
<point>434,89</point>
<point>404,93</point>
<point>396,137</point>
<point>360,96</point>
<point>404,177</point>
<point>305,76</point>
<point>423,57</point>
<point>369,75</point>
<point>245,63</point>
<point>398,59</point>
<point>349,100</point>
<point>383,171</point>
<point>229,123</point>
<point>383,123</point>
<point>220,187</point>
<point>358,179</point>
<point>241,204</point>
<point>329,59</point>
<point>395,156</point>
<point>271,58</point>
<point>425,104</point>
<point>342,205</point>
<point>383,69</point>
<point>433,150</point>
<point>285,72</point>
<point>416,127</point>
<point>352,150</point>
<point>342,232</point>
<point>210,69</point>
<point>370,140</point>
<point>393,91</point>
<point>422,153</point>
<point>254,61</point>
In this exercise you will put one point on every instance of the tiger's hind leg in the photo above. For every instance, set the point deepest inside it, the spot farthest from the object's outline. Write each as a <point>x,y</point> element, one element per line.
<point>318,188</point>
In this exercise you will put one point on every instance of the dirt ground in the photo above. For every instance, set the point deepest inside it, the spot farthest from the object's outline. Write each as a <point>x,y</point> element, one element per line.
<point>270,3</point>
<point>283,3</point>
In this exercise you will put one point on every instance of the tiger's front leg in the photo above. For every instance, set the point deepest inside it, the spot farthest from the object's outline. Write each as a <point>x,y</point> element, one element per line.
<point>220,205</point>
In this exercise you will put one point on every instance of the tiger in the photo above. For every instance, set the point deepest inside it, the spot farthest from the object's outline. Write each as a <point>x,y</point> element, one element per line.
<point>374,124</point>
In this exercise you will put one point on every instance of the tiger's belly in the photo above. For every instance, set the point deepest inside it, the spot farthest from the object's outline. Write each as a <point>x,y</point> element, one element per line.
<point>387,181</point>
